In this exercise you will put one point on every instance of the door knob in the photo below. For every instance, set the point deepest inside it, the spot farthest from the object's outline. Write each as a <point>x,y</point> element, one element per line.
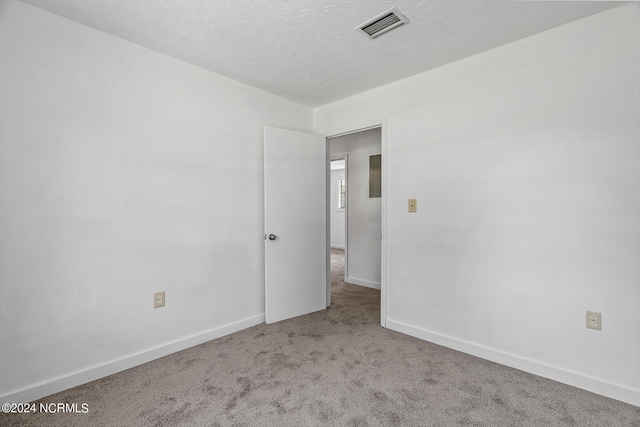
<point>272,237</point>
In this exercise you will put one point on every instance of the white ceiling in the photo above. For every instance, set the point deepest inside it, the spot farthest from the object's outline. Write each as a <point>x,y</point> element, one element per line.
<point>308,50</point>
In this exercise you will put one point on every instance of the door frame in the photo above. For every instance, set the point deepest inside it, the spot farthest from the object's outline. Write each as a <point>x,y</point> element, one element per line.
<point>346,130</point>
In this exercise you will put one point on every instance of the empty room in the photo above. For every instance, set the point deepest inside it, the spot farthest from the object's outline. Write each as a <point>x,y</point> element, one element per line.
<point>166,207</point>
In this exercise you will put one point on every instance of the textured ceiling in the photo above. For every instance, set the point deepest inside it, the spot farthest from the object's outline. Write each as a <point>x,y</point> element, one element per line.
<point>308,50</point>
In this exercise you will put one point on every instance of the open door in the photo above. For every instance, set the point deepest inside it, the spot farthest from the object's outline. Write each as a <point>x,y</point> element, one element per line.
<point>295,180</point>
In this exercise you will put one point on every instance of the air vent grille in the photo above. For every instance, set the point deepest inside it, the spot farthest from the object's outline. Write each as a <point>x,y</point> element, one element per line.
<point>382,23</point>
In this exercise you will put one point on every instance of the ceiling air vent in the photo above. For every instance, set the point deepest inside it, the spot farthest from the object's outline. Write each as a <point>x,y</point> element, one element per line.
<point>382,23</point>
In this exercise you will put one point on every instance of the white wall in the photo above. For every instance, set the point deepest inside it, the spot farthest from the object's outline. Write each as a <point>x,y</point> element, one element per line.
<point>364,213</point>
<point>336,215</point>
<point>525,163</point>
<point>122,172</point>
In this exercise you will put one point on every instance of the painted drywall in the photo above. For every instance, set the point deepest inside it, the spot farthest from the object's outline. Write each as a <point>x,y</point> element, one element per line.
<point>525,163</point>
<point>337,215</point>
<point>363,213</point>
<point>122,172</point>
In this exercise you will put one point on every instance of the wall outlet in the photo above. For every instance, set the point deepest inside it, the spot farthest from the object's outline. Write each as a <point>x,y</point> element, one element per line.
<point>413,205</point>
<point>594,320</point>
<point>158,299</point>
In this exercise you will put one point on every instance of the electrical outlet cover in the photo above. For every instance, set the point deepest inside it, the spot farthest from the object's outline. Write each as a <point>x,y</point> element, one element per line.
<point>158,299</point>
<point>594,320</point>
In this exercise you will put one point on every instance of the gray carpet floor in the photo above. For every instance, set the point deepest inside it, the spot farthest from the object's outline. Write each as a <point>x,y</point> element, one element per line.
<point>336,367</point>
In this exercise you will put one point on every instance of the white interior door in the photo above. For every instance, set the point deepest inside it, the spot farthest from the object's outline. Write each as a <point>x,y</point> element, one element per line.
<point>295,180</point>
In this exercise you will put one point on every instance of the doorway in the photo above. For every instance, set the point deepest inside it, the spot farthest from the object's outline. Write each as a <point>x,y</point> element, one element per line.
<point>356,216</point>
<point>284,242</point>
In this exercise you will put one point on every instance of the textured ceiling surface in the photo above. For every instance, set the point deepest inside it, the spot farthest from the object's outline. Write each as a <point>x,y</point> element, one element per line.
<point>308,50</point>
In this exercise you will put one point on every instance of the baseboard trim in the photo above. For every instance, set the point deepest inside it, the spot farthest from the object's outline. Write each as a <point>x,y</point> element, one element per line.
<point>575,379</point>
<point>361,282</point>
<point>49,387</point>
<point>337,247</point>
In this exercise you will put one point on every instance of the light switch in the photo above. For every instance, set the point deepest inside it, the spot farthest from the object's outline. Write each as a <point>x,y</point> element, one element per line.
<point>413,205</point>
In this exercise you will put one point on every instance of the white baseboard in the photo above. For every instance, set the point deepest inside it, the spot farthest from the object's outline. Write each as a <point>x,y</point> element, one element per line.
<point>337,246</point>
<point>362,282</point>
<point>49,387</point>
<point>575,379</point>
